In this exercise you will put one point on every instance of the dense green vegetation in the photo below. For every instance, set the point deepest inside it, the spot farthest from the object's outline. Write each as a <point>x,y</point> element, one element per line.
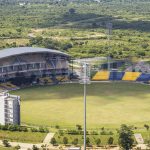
<point>78,28</point>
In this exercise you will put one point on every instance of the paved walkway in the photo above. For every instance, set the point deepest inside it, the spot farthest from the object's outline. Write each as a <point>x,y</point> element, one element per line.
<point>48,138</point>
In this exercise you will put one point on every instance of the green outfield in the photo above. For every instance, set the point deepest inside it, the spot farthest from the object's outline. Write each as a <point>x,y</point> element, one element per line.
<point>108,104</point>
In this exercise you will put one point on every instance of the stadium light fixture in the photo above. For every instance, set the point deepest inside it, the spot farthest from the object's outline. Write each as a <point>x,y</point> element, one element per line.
<point>109,26</point>
<point>85,79</point>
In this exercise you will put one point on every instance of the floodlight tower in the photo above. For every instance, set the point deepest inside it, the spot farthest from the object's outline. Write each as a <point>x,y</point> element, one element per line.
<point>85,79</point>
<point>109,33</point>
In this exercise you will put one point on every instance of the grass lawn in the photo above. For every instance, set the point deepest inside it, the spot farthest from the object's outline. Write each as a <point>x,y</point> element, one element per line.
<point>6,148</point>
<point>25,137</point>
<point>108,104</point>
<point>103,138</point>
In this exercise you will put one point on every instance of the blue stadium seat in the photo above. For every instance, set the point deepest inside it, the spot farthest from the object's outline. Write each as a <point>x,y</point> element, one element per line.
<point>144,77</point>
<point>116,75</point>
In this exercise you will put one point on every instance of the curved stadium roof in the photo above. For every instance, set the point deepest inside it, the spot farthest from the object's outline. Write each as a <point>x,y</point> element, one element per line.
<point>25,50</point>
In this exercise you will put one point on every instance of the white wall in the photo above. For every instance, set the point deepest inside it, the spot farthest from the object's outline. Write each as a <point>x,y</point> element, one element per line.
<point>2,117</point>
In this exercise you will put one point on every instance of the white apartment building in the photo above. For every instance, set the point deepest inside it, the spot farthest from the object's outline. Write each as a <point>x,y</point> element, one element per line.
<point>9,109</point>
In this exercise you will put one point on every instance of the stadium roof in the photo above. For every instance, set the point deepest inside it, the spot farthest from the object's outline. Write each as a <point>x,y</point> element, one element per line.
<point>25,50</point>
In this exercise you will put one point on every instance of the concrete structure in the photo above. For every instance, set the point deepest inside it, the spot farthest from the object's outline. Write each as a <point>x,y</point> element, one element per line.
<point>9,109</point>
<point>74,148</point>
<point>28,61</point>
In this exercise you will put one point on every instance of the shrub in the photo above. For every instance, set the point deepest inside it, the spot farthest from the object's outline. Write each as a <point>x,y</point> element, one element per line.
<point>98,142</point>
<point>34,130</point>
<point>94,133</point>
<point>43,130</point>
<point>88,141</point>
<point>53,141</point>
<point>65,140</point>
<point>35,147</point>
<point>61,132</point>
<point>6,143</point>
<point>110,141</point>
<point>57,126</point>
<point>17,147</point>
<point>79,127</point>
<point>75,141</point>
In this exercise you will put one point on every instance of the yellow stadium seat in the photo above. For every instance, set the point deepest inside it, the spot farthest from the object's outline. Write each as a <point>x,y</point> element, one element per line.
<point>101,75</point>
<point>8,85</point>
<point>131,76</point>
<point>62,78</point>
<point>47,79</point>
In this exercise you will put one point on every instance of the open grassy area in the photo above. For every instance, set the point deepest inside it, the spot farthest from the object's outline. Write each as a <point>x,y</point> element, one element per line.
<point>6,148</point>
<point>104,138</point>
<point>108,104</point>
<point>25,137</point>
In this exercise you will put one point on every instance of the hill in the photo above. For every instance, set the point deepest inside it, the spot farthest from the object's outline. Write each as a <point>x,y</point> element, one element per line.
<point>78,28</point>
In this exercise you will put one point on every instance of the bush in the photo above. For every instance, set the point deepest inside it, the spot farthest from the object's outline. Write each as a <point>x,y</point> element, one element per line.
<point>98,142</point>
<point>57,126</point>
<point>94,133</point>
<point>34,130</point>
<point>13,128</point>
<point>76,132</point>
<point>6,143</point>
<point>35,147</point>
<point>17,147</point>
<point>88,141</point>
<point>75,141</point>
<point>110,140</point>
<point>43,130</point>
<point>53,141</point>
<point>61,132</point>
<point>65,140</point>
<point>79,127</point>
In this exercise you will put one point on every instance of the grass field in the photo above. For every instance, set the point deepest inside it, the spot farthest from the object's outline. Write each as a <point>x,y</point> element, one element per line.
<point>25,137</point>
<point>108,104</point>
<point>104,138</point>
<point>6,148</point>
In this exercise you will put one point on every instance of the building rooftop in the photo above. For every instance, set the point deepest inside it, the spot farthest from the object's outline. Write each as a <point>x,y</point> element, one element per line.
<point>8,96</point>
<point>25,50</point>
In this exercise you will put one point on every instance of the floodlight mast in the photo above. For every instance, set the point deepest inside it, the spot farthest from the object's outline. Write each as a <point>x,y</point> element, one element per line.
<point>85,79</point>
<point>109,33</point>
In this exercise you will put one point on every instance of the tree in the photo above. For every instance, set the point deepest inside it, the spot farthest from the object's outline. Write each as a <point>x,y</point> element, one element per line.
<point>110,141</point>
<point>79,127</point>
<point>17,147</point>
<point>53,141</point>
<point>146,126</point>
<point>98,142</point>
<point>75,141</point>
<point>6,143</point>
<point>87,141</point>
<point>144,45</point>
<point>125,137</point>
<point>35,147</point>
<point>72,10</point>
<point>65,140</point>
<point>44,147</point>
<point>57,126</point>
